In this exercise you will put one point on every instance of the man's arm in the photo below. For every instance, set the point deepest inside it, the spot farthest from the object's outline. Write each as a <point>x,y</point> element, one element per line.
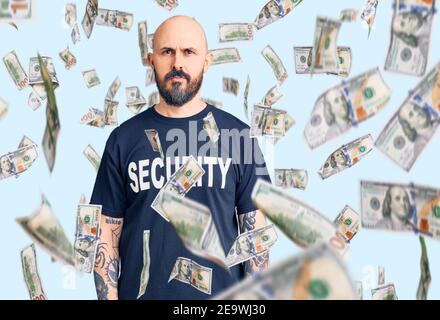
<point>251,221</point>
<point>106,272</point>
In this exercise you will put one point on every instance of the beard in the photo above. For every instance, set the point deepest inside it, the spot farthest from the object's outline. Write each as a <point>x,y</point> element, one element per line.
<point>176,96</point>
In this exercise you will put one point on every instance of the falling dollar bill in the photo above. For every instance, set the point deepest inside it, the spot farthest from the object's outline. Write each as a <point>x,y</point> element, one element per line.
<point>291,178</point>
<point>302,224</point>
<point>250,244</point>
<point>91,78</point>
<point>35,76</point>
<point>369,13</point>
<point>210,126</point>
<point>135,99</point>
<point>303,61</point>
<point>4,107</point>
<point>425,273</point>
<point>150,76</point>
<point>345,106</point>
<point>324,51</point>
<point>153,98</point>
<point>70,14</point>
<point>18,161</point>
<point>93,117</point>
<point>68,58</point>
<point>92,156</point>
<point>225,55</point>
<point>142,41</point>
<point>89,18</point>
<point>411,128</point>
<point>86,236</point>
<point>346,156</point>
<point>44,229</point>
<point>145,274</point>
<point>410,36</point>
<point>30,273</point>
<point>113,89</point>
<point>398,207</point>
<point>235,32</point>
<point>266,121</point>
<point>317,273</point>
<point>272,96</point>
<point>15,70</point>
<point>359,290</point>
<point>190,272</point>
<point>34,101</point>
<point>167,4</point>
<point>381,275</point>
<point>179,183</point>
<point>153,138</point>
<point>150,38</point>
<point>347,223</point>
<point>275,63</point>
<point>194,225</point>
<point>348,15</point>
<point>230,85</point>
<point>13,11</point>
<point>384,292</point>
<point>110,112</point>
<point>246,95</point>
<point>273,11</point>
<point>115,19</point>
<point>75,35</point>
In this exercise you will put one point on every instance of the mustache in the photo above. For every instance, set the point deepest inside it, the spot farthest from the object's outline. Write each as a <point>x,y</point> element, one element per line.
<point>177,73</point>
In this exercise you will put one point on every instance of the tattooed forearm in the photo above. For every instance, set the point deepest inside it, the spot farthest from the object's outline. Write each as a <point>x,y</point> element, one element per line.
<point>249,221</point>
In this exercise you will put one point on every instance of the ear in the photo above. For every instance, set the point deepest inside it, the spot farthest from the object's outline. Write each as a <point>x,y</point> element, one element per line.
<point>150,59</point>
<point>208,61</point>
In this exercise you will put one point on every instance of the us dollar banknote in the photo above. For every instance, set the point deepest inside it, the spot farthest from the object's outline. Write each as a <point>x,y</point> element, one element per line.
<point>145,274</point>
<point>273,11</point>
<point>291,178</point>
<point>15,70</point>
<point>414,124</point>
<point>275,63</point>
<point>114,19</point>
<point>399,207</point>
<point>190,272</point>
<point>425,273</point>
<point>346,105</point>
<point>324,52</point>
<point>315,274</point>
<point>384,292</point>
<point>235,32</point>
<point>347,223</point>
<point>225,55</point>
<point>267,121</point>
<point>410,36</point>
<point>16,162</point>
<point>30,273</point>
<point>303,61</point>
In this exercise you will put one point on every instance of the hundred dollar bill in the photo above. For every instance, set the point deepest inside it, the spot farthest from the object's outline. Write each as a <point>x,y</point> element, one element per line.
<point>230,85</point>
<point>150,37</point>
<point>34,101</point>
<point>68,58</point>
<point>113,89</point>
<point>194,225</point>
<point>18,161</point>
<point>92,156</point>
<point>272,96</point>
<point>145,274</point>
<point>153,138</point>
<point>346,105</point>
<point>86,236</point>
<point>302,224</point>
<point>91,78</point>
<point>346,156</point>
<point>273,11</point>
<point>369,13</point>
<point>317,273</point>
<point>135,99</point>
<point>89,116</point>
<point>110,112</point>
<point>30,273</point>
<point>115,19</point>
<point>70,14</point>
<point>246,95</point>
<point>4,106</point>
<point>210,126</point>
<point>303,61</point>
<point>15,70</point>
<point>75,35</point>
<point>347,223</point>
<point>275,63</point>
<point>250,244</point>
<point>25,141</point>
<point>398,207</point>
<point>190,272</point>
<point>35,78</point>
<point>412,127</point>
<point>150,77</point>
<point>359,290</point>
<point>410,36</point>
<point>266,121</point>
<point>381,275</point>
<point>179,183</point>
<point>142,41</point>
<point>214,103</point>
<point>291,178</point>
<point>44,229</point>
<point>235,32</point>
<point>225,55</point>
<point>324,51</point>
<point>384,292</point>
<point>89,18</point>
<point>348,15</point>
<point>425,273</point>
<point>289,122</point>
<point>99,119</point>
<point>168,4</point>
<point>17,11</point>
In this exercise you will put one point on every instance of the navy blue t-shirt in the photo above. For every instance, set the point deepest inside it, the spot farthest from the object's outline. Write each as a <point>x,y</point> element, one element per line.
<point>131,174</point>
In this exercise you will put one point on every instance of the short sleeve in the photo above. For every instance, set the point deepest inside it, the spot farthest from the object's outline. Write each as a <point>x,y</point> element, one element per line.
<point>252,169</point>
<point>108,190</point>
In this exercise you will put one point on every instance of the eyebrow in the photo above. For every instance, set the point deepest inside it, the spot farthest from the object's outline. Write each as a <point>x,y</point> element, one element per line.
<point>169,48</point>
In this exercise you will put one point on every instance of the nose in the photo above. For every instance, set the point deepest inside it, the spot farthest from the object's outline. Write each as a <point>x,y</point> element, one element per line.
<point>178,61</point>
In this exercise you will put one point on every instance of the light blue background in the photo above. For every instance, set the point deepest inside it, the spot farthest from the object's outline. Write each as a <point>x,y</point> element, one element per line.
<point>115,52</point>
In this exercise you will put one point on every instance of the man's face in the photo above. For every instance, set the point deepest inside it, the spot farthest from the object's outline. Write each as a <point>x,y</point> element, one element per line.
<point>5,164</point>
<point>408,23</point>
<point>399,202</point>
<point>415,116</point>
<point>179,60</point>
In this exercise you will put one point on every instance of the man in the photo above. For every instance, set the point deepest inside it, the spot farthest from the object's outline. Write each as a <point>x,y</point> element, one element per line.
<point>131,174</point>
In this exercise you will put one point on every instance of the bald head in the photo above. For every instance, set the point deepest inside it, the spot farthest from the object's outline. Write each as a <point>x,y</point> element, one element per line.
<point>184,28</point>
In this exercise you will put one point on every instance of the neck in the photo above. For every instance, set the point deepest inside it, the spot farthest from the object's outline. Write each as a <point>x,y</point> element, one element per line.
<point>187,110</point>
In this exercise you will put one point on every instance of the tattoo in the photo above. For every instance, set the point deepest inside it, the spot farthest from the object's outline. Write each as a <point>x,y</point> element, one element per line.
<point>249,221</point>
<point>101,287</point>
<point>113,221</point>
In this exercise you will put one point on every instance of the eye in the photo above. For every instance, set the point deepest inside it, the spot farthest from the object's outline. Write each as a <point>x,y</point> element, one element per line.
<point>188,51</point>
<point>167,51</point>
